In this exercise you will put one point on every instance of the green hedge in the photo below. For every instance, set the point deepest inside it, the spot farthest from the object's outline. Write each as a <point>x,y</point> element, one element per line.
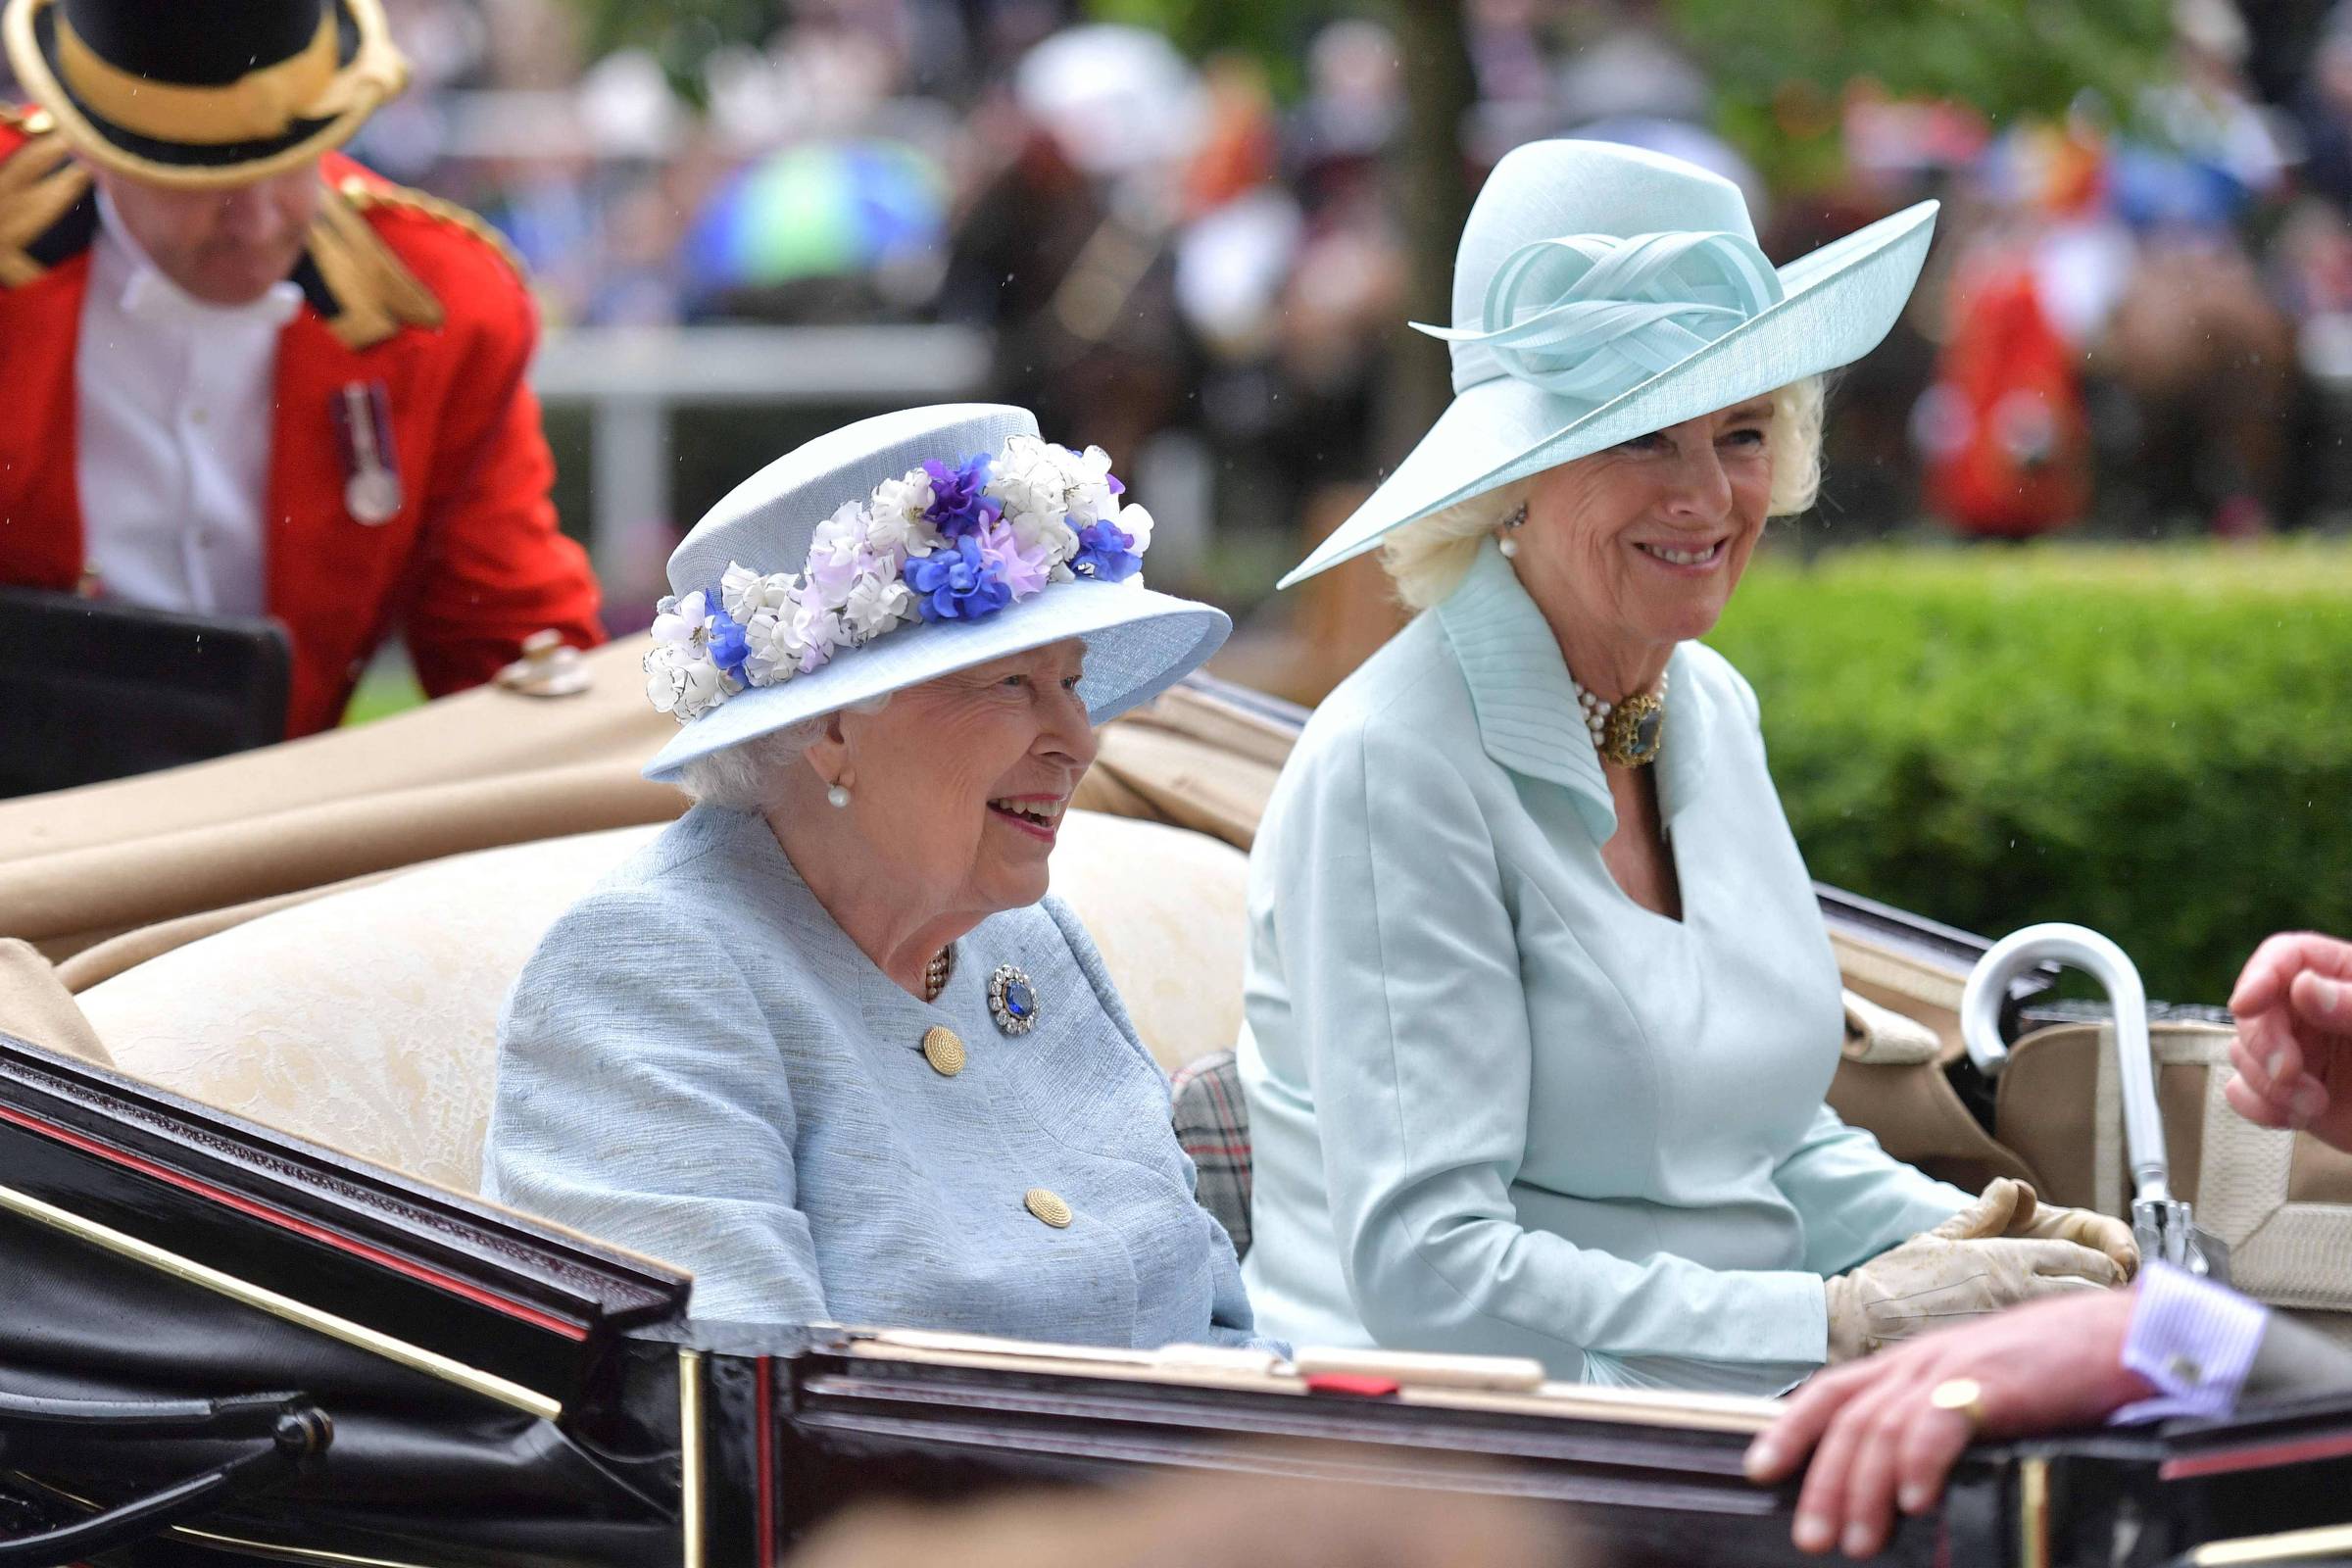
<point>2156,742</point>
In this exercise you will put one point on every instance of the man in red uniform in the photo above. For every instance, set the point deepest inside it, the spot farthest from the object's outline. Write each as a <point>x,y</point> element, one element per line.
<point>246,376</point>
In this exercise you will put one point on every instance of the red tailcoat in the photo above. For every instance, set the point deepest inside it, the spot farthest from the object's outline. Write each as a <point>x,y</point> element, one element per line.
<point>408,293</point>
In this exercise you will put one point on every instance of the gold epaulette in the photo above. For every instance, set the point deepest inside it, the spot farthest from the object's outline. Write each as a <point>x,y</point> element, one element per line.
<point>365,194</point>
<point>39,183</point>
<point>376,294</point>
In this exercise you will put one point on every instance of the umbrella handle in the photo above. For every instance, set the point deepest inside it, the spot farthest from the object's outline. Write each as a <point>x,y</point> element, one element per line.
<point>2085,948</point>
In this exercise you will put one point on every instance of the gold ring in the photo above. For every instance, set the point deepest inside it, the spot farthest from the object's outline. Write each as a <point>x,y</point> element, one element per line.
<point>1963,1396</point>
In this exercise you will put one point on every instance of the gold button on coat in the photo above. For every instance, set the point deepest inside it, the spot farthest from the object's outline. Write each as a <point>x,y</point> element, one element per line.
<point>943,1050</point>
<point>1048,1206</point>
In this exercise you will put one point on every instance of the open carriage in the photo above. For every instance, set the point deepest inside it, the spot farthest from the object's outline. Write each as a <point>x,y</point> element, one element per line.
<point>254,1312</point>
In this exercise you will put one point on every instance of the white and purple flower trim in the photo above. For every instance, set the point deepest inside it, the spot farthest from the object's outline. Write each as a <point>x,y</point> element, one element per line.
<point>941,542</point>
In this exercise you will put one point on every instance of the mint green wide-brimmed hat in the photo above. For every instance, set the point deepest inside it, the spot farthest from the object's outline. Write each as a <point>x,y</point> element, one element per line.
<point>1602,292</point>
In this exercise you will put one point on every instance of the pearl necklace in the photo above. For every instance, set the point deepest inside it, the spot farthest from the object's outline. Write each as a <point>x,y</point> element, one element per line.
<point>1627,732</point>
<point>936,973</point>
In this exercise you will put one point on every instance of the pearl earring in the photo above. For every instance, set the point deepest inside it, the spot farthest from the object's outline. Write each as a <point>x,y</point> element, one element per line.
<point>838,797</point>
<point>1510,524</point>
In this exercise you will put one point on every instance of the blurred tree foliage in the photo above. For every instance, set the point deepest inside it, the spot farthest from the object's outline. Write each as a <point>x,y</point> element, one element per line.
<point>680,34</point>
<point>1275,31</point>
<point>1781,69</point>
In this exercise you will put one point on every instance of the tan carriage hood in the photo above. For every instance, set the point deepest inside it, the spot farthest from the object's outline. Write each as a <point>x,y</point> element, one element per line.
<point>487,768</point>
<point>171,856</point>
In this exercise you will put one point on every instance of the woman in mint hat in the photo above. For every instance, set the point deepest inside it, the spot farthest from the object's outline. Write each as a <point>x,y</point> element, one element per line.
<point>1542,1010</point>
<point>825,1042</point>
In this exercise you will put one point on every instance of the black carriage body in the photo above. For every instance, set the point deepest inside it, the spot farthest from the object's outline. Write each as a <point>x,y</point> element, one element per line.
<point>504,1393</point>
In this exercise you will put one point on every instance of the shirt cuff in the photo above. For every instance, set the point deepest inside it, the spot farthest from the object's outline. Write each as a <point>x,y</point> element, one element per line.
<point>2193,1340</point>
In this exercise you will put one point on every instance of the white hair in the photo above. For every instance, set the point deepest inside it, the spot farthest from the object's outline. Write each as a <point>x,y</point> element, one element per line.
<point>751,777</point>
<point>1426,558</point>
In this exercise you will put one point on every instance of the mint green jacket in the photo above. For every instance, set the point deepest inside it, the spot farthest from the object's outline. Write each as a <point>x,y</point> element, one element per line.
<point>1497,1105</point>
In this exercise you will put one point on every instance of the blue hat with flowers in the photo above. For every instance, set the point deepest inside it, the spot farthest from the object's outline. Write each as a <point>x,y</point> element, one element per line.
<point>895,550</point>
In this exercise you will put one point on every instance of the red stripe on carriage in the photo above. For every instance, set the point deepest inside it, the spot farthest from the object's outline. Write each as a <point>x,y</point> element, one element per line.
<point>1357,1385</point>
<point>763,1456</point>
<point>517,1310</point>
<point>2256,1456</point>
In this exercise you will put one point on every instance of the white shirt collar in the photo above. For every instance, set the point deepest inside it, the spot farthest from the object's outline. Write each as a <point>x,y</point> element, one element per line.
<point>147,295</point>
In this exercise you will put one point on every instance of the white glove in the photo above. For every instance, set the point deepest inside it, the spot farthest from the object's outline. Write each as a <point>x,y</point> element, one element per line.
<point>1966,1268</point>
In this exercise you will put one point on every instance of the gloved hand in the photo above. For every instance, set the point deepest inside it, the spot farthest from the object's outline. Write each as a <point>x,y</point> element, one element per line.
<point>1966,1268</point>
<point>2036,1220</point>
<point>2102,1233</point>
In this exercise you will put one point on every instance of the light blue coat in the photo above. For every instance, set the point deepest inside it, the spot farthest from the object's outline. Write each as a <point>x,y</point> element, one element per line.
<point>1496,1104</point>
<point>699,1064</point>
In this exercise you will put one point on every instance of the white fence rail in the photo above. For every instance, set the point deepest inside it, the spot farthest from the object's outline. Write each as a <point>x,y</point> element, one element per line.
<point>635,380</point>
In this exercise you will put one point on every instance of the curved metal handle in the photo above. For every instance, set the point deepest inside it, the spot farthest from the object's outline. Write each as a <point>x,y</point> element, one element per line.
<point>2163,1225</point>
<point>296,1430</point>
<point>1980,1028</point>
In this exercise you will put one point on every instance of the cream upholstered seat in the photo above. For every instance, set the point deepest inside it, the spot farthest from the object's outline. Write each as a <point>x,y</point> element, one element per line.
<point>368,1019</point>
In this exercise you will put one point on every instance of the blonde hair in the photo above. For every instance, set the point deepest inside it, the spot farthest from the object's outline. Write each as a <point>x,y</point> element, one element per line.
<point>1426,558</point>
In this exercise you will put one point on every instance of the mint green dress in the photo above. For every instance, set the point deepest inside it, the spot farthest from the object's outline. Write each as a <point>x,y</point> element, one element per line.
<point>1497,1106</point>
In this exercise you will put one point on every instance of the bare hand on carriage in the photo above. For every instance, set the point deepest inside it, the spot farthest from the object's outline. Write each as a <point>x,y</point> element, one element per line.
<point>2294,1052</point>
<point>1887,1429</point>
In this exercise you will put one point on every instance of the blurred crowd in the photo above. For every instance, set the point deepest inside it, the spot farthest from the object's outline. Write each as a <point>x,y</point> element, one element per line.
<point>2136,313</point>
<point>2140,312</point>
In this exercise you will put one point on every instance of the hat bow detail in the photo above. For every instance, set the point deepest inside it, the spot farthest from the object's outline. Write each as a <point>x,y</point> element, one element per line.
<point>1593,315</point>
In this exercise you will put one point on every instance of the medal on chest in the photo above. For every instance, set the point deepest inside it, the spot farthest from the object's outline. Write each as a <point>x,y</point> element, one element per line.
<point>362,414</point>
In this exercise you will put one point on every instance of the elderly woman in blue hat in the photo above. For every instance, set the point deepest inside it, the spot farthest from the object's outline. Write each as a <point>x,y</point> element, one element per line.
<point>825,1042</point>
<point>1541,1009</point>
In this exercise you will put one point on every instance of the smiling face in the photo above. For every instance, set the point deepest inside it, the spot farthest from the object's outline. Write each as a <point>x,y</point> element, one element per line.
<point>1636,548</point>
<point>226,246</point>
<point>958,786</point>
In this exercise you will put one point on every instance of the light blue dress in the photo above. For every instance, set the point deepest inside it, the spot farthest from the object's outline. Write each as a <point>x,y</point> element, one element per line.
<point>1496,1104</point>
<point>699,1064</point>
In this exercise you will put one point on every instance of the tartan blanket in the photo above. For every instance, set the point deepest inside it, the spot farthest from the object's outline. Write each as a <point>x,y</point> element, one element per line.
<point>1213,1123</point>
